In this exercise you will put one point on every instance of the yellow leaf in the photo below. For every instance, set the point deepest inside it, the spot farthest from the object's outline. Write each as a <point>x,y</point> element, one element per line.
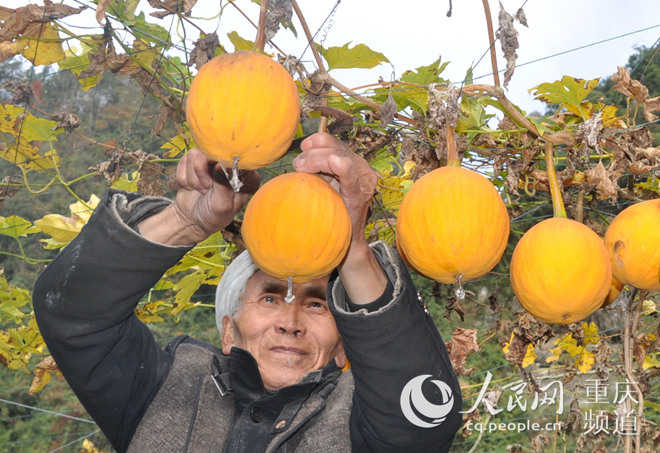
<point>83,211</point>
<point>60,228</point>
<point>530,356</point>
<point>649,308</point>
<point>651,361</point>
<point>556,353</point>
<point>505,348</point>
<point>393,188</point>
<point>586,361</point>
<point>590,333</point>
<point>46,47</point>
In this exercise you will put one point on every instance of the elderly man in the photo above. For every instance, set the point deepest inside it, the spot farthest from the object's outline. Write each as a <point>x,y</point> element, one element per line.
<point>276,383</point>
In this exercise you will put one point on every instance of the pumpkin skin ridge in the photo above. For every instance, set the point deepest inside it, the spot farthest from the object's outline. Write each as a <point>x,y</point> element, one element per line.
<point>435,238</point>
<point>233,113</point>
<point>633,242</point>
<point>291,247</point>
<point>542,258</point>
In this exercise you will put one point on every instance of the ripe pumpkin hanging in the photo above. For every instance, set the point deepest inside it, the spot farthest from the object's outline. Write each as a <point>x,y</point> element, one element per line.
<point>560,270</point>
<point>296,228</point>
<point>633,242</point>
<point>452,225</point>
<point>243,110</point>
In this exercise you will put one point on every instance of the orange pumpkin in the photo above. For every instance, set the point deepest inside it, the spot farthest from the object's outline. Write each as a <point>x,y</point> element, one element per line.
<point>615,290</point>
<point>560,271</point>
<point>452,225</point>
<point>296,225</point>
<point>244,106</point>
<point>633,242</point>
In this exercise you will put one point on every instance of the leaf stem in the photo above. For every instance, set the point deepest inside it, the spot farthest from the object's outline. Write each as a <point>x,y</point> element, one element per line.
<point>491,43</point>
<point>452,152</point>
<point>558,208</point>
<point>260,40</point>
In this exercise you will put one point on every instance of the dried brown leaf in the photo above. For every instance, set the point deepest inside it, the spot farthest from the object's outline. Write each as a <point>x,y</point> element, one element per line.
<point>67,121</point>
<point>204,50</point>
<point>651,105</point>
<point>539,442</point>
<point>573,423</point>
<point>171,7</point>
<point>17,21</point>
<point>606,189</point>
<point>100,10</point>
<point>508,37</point>
<point>279,11</point>
<point>520,17</point>
<point>387,110</point>
<point>463,342</point>
<point>42,374</point>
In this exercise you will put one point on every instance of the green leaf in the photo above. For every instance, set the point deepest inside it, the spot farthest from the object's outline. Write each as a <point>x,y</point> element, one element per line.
<point>11,300</point>
<point>78,63</point>
<point>150,32</point>
<point>344,57</point>
<point>124,10</point>
<point>16,227</point>
<point>240,43</point>
<point>425,75</point>
<point>569,92</point>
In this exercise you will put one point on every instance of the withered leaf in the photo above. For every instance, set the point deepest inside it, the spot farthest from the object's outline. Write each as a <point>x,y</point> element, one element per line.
<point>463,343</point>
<point>539,442</point>
<point>67,121</point>
<point>517,350</point>
<point>629,87</point>
<point>204,50</point>
<point>651,105</point>
<point>100,10</point>
<point>387,110</point>
<point>16,21</point>
<point>606,189</point>
<point>42,374</point>
<point>573,423</point>
<point>171,7</point>
<point>508,37</point>
<point>520,17</point>
<point>279,11</point>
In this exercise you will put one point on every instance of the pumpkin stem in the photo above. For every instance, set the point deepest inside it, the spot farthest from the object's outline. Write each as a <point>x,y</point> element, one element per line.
<point>452,152</point>
<point>260,40</point>
<point>460,291</point>
<point>235,182</point>
<point>558,209</point>
<point>289,291</point>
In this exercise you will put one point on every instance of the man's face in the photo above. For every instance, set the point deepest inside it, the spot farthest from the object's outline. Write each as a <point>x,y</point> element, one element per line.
<point>286,339</point>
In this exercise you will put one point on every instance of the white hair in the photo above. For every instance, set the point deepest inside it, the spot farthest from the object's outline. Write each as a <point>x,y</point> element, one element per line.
<point>232,285</point>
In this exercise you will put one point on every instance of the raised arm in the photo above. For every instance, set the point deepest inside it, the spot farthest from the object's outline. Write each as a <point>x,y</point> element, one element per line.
<point>407,396</point>
<point>85,300</point>
<point>356,182</point>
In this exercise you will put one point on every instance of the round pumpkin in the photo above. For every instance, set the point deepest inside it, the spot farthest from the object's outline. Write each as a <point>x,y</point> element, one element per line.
<point>243,105</point>
<point>560,271</point>
<point>296,225</point>
<point>452,225</point>
<point>633,242</point>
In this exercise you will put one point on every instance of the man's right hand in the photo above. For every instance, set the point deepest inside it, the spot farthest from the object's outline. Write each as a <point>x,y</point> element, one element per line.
<point>205,203</point>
